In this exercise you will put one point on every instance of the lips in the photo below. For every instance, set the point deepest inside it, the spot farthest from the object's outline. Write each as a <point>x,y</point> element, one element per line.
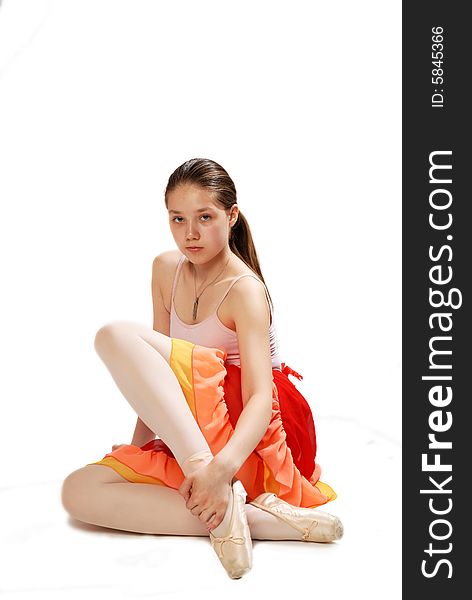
<point>194,247</point>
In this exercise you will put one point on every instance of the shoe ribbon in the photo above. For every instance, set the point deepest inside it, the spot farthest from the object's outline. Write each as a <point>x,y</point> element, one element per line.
<point>307,532</point>
<point>288,371</point>
<point>282,513</point>
<point>222,540</point>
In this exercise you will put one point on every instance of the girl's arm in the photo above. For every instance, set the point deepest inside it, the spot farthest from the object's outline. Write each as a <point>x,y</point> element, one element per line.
<point>161,265</point>
<point>252,320</point>
<point>142,434</point>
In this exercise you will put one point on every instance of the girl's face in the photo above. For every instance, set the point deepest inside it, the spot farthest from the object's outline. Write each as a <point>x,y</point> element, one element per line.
<point>197,220</point>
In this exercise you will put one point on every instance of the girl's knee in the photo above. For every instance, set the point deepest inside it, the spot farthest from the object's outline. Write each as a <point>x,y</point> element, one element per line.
<point>111,333</point>
<point>73,492</point>
<point>79,488</point>
<point>117,335</point>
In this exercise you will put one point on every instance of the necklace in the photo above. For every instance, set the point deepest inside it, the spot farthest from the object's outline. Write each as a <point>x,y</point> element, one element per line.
<point>197,298</point>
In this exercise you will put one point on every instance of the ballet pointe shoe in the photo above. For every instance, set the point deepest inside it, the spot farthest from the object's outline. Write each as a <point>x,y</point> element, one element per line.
<point>314,525</point>
<point>235,549</point>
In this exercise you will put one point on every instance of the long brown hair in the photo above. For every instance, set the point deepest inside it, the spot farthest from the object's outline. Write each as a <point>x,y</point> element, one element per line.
<point>211,176</point>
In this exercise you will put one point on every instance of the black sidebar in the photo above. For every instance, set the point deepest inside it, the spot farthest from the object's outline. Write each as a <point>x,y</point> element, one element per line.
<point>437,257</point>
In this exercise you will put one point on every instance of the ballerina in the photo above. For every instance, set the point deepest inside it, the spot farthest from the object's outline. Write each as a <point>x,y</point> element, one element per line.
<point>236,454</point>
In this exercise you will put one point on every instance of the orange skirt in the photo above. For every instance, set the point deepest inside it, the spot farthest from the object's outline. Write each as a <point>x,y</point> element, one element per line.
<point>270,467</point>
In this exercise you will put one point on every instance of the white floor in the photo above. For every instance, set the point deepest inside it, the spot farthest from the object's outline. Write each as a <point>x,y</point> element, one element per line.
<point>45,554</point>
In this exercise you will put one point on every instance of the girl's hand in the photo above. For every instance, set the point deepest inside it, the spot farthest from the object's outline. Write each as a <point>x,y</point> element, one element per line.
<point>207,492</point>
<point>116,446</point>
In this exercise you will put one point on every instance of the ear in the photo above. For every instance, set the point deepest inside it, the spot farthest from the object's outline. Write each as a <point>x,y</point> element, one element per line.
<point>234,214</point>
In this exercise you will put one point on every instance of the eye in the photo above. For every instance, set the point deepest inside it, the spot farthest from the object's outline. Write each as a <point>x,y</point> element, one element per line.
<point>205,221</point>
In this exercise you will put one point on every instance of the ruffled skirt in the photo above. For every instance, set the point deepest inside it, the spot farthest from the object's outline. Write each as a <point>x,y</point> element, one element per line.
<point>283,462</point>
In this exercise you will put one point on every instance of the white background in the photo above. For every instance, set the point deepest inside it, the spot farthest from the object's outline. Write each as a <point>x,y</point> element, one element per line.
<point>99,102</point>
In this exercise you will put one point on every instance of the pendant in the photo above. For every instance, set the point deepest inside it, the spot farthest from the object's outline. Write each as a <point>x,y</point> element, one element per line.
<point>195,307</point>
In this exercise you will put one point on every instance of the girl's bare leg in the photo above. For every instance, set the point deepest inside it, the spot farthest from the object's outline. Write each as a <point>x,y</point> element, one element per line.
<point>138,359</point>
<point>98,495</point>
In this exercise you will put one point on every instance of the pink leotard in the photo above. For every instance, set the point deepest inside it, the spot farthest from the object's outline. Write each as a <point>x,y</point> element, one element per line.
<point>212,333</point>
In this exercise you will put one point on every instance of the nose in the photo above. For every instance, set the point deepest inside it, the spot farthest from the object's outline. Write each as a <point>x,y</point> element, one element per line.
<point>191,232</point>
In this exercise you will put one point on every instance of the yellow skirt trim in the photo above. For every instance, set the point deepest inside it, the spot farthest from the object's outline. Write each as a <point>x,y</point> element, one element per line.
<point>181,363</point>
<point>127,472</point>
<point>326,490</point>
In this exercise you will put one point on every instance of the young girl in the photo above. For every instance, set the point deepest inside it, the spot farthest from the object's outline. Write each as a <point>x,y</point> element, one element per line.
<point>207,379</point>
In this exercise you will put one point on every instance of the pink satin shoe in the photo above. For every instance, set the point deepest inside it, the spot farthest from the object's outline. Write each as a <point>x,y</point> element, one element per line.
<point>314,525</point>
<point>235,549</point>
